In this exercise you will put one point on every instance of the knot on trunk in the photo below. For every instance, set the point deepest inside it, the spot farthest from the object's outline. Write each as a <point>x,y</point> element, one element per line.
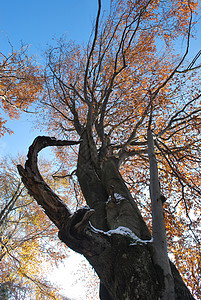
<point>73,232</point>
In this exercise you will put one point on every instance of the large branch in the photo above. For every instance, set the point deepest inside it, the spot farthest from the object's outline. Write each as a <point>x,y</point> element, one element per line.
<point>54,207</point>
<point>158,224</point>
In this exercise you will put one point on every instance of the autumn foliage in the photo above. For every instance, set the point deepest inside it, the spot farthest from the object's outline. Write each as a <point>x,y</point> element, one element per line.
<point>21,83</point>
<point>29,248</point>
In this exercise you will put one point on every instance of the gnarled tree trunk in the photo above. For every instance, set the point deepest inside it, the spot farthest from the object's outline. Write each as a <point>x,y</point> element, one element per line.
<point>111,233</point>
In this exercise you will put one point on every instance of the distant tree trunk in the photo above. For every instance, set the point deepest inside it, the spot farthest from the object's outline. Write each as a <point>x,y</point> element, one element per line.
<point>117,242</point>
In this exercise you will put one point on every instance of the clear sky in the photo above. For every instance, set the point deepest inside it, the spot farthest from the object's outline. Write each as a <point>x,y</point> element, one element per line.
<point>35,22</point>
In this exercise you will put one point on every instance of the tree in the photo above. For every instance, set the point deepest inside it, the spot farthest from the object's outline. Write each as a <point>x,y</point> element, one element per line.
<point>26,238</point>
<point>21,83</point>
<point>132,104</point>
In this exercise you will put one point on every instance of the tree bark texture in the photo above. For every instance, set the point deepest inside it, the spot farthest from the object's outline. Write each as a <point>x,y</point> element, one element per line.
<point>110,233</point>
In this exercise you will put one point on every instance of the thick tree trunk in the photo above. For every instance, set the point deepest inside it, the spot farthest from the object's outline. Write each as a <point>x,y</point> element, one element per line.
<point>119,246</point>
<point>91,185</point>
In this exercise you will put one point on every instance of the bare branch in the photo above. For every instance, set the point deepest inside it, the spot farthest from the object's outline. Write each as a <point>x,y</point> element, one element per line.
<point>174,117</point>
<point>7,209</point>
<point>91,52</point>
<point>155,93</point>
<point>133,134</point>
<point>176,171</point>
<point>190,66</point>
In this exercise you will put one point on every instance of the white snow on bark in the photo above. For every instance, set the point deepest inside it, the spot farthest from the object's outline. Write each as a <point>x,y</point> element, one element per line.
<point>125,232</point>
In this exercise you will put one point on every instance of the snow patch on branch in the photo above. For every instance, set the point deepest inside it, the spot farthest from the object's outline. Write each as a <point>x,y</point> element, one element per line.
<point>135,240</point>
<point>127,232</point>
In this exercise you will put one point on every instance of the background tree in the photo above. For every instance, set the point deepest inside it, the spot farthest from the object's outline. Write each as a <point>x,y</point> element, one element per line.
<point>129,85</point>
<point>28,244</point>
<point>20,84</point>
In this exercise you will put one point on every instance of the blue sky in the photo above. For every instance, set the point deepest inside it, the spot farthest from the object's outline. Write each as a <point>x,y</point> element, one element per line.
<point>36,23</point>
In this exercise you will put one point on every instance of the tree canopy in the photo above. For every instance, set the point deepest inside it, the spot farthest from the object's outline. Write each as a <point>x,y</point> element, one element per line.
<point>132,75</point>
<point>21,83</point>
<point>134,78</point>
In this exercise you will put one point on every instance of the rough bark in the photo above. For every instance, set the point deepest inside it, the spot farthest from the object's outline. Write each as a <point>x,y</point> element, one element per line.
<point>91,185</point>
<point>123,256</point>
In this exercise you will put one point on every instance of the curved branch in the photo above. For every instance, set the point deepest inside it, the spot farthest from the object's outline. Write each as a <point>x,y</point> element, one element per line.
<point>54,207</point>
